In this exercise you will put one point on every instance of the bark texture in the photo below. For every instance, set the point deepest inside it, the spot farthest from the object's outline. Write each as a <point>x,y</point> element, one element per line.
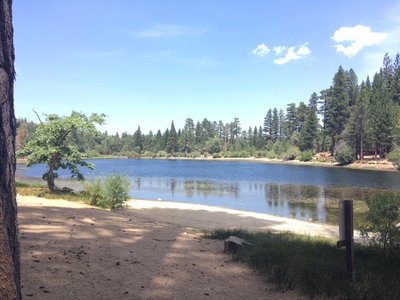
<point>9,245</point>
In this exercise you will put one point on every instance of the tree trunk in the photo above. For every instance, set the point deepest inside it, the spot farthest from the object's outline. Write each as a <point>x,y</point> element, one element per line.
<point>333,144</point>
<point>50,179</point>
<point>9,246</point>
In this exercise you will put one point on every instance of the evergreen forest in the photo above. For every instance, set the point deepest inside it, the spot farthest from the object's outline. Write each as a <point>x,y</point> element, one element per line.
<point>352,117</point>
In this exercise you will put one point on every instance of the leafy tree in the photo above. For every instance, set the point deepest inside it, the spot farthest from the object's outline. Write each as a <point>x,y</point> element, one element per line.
<point>383,217</point>
<point>344,154</point>
<point>54,146</point>
<point>213,145</point>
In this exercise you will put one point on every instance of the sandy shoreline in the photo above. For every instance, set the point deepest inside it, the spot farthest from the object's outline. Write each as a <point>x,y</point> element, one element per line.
<point>372,165</point>
<point>71,250</point>
<point>210,217</point>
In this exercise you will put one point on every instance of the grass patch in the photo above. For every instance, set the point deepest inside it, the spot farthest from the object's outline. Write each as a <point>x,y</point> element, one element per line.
<point>40,190</point>
<point>317,267</point>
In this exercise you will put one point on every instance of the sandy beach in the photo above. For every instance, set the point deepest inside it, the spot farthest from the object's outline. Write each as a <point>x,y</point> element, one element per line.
<point>150,250</point>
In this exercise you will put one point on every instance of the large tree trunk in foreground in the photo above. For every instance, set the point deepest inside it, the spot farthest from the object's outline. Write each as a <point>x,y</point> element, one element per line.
<point>9,246</point>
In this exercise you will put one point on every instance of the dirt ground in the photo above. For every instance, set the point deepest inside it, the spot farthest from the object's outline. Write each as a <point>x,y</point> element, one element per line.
<point>74,251</point>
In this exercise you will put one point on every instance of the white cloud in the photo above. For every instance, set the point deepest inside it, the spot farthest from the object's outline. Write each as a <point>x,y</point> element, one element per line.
<point>292,53</point>
<point>279,49</point>
<point>352,39</point>
<point>261,50</point>
<point>170,31</point>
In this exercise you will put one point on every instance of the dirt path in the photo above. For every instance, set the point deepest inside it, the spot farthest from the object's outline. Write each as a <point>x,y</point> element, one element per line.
<point>74,251</point>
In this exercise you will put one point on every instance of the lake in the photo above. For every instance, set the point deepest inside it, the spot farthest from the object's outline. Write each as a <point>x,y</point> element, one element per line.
<point>304,192</point>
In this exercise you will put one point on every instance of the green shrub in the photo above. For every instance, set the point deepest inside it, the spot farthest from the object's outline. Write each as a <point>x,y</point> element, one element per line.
<point>306,156</point>
<point>344,154</point>
<point>162,153</point>
<point>92,153</point>
<point>149,154</point>
<point>217,155</point>
<point>111,194</point>
<point>394,157</point>
<point>382,219</point>
<point>291,153</point>
<point>194,154</point>
<point>117,190</point>
<point>260,154</point>
<point>95,192</point>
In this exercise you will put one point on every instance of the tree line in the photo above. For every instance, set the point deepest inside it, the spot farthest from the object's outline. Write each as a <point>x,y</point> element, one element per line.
<point>356,118</point>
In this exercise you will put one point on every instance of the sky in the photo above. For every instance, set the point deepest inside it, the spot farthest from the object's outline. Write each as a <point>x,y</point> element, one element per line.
<point>148,63</point>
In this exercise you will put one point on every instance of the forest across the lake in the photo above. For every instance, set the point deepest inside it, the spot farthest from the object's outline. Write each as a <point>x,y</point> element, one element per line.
<point>346,122</point>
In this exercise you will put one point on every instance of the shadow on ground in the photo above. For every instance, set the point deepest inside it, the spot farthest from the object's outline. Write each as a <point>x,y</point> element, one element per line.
<point>87,253</point>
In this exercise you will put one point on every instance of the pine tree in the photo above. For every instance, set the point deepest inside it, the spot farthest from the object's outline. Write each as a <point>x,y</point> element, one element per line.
<point>301,115</point>
<point>10,286</point>
<point>138,140</point>
<point>395,83</point>
<point>337,107</point>
<point>357,126</point>
<point>159,141</point>
<point>282,125</point>
<point>291,119</point>
<point>267,130</point>
<point>260,139</point>
<point>275,125</point>
<point>250,137</point>
<point>188,136</point>
<point>172,144</point>
<point>308,133</point>
<point>352,86</point>
<point>381,112</point>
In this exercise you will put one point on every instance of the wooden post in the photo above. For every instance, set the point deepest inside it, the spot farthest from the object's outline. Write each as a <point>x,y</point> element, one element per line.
<point>346,235</point>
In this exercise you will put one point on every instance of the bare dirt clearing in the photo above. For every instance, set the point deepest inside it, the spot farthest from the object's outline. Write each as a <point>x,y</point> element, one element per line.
<point>74,251</point>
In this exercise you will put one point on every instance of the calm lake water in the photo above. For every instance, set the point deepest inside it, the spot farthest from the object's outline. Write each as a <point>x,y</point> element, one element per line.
<point>302,192</point>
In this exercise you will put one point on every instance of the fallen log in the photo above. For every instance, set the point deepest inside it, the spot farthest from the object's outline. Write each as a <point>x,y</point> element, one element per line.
<point>233,243</point>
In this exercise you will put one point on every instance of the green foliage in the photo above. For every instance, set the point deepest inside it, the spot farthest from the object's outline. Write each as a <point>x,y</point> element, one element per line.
<point>95,192</point>
<point>383,217</point>
<point>344,154</point>
<point>292,153</point>
<point>54,144</point>
<point>117,190</point>
<point>316,266</point>
<point>112,193</point>
<point>394,157</point>
<point>337,106</point>
<point>306,156</point>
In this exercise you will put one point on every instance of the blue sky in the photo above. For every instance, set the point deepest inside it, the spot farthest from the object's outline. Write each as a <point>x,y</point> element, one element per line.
<point>150,62</point>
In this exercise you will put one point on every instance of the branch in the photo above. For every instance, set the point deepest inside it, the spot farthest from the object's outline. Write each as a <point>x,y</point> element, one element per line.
<point>37,115</point>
